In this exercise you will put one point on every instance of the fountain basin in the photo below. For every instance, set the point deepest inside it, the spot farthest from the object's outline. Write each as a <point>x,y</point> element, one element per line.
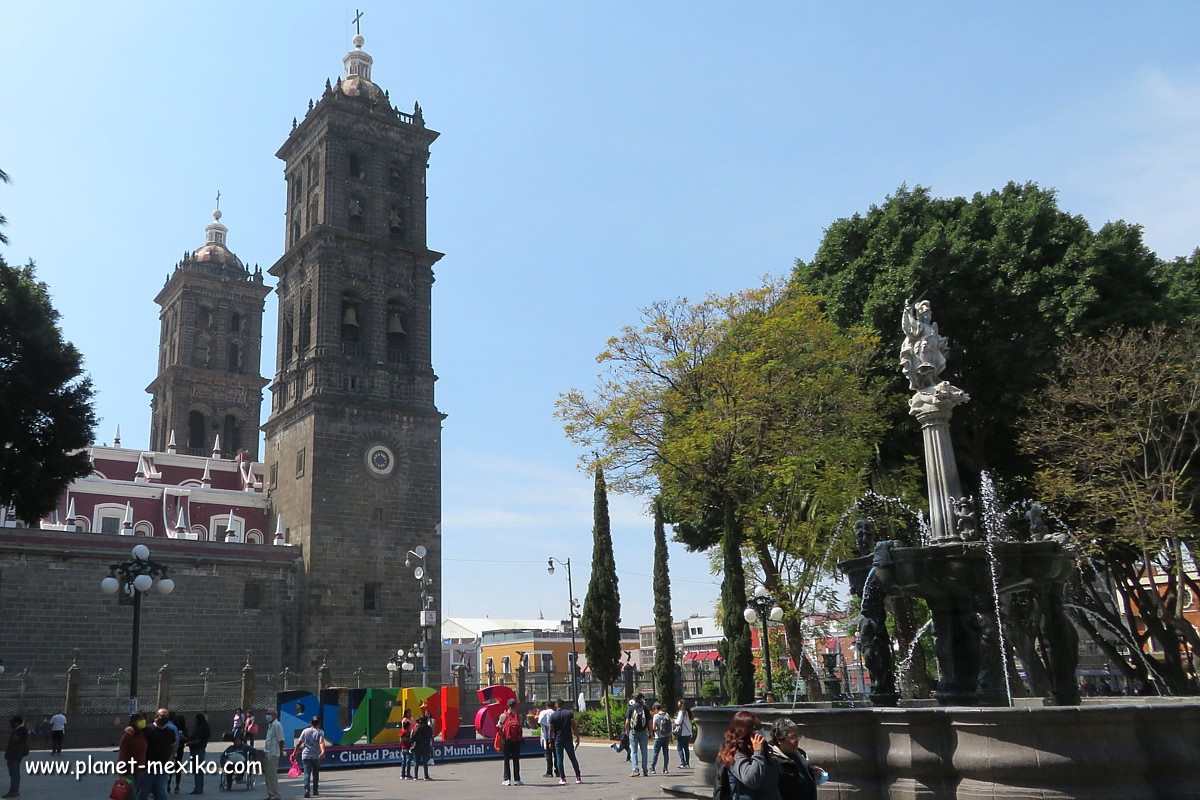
<point>1121,750</point>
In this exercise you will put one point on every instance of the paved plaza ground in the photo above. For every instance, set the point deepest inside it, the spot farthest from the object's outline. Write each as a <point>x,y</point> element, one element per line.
<point>605,775</point>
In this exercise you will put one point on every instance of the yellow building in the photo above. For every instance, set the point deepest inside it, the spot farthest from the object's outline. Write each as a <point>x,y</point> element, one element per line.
<point>547,655</point>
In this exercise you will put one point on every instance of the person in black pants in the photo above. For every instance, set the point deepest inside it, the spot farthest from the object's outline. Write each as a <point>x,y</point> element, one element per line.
<point>565,730</point>
<point>197,745</point>
<point>510,742</point>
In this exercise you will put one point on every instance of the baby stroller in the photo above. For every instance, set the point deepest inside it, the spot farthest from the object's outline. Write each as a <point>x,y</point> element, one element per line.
<point>238,762</point>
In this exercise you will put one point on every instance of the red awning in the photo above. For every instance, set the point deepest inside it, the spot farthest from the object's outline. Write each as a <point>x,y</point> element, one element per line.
<point>702,655</point>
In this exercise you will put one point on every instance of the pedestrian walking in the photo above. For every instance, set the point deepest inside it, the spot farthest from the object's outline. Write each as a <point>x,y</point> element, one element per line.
<point>660,724</point>
<point>511,736</point>
<point>161,742</point>
<point>423,746</point>
<point>683,734</point>
<point>58,729</point>
<point>197,750</point>
<point>565,730</point>
<point>543,720</point>
<point>14,754</point>
<point>637,723</point>
<point>180,724</point>
<point>132,753</point>
<point>745,763</point>
<point>273,745</point>
<point>311,745</point>
<point>239,722</point>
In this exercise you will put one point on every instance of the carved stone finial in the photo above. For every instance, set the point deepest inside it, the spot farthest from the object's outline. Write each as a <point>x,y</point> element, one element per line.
<point>247,658</point>
<point>966,522</point>
<point>75,651</point>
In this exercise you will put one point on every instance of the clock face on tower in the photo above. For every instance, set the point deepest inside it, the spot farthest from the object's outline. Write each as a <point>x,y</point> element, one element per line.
<point>380,460</point>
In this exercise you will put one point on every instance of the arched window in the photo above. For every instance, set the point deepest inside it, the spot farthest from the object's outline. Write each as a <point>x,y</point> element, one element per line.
<point>196,431</point>
<point>357,217</point>
<point>396,176</point>
<point>235,322</point>
<point>235,358</point>
<point>305,324</point>
<point>296,229</point>
<point>397,333</point>
<point>352,310</point>
<point>396,225</point>
<point>288,338</point>
<point>313,206</point>
<point>355,168</point>
<point>231,436</point>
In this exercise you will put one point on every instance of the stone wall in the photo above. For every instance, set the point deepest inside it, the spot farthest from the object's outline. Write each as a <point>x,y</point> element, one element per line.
<point>51,602</point>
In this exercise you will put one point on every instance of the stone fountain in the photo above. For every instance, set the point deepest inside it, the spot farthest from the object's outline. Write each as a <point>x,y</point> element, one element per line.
<point>976,743</point>
<point>962,575</point>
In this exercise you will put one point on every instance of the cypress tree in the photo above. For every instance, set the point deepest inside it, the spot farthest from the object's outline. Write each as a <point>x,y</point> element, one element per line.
<point>664,636</point>
<point>740,661</point>
<point>600,621</point>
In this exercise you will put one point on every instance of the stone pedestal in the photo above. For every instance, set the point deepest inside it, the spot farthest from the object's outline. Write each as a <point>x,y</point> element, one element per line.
<point>933,411</point>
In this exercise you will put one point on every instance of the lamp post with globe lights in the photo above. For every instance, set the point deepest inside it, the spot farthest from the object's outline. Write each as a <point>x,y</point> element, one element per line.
<point>136,577</point>
<point>428,615</point>
<point>574,606</point>
<point>761,604</point>
<point>401,663</point>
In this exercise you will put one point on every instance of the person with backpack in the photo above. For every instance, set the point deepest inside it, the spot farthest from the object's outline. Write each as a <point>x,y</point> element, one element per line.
<point>746,769</point>
<point>407,729</point>
<point>660,723</point>
<point>565,730</point>
<point>511,735</point>
<point>683,734</point>
<point>637,723</point>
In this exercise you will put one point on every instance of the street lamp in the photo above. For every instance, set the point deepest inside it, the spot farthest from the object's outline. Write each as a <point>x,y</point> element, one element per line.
<point>574,604</point>
<point>402,663</point>
<point>135,578</point>
<point>428,618</point>
<point>763,605</point>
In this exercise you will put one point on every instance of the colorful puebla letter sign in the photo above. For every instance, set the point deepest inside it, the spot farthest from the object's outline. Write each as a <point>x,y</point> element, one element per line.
<point>373,735</point>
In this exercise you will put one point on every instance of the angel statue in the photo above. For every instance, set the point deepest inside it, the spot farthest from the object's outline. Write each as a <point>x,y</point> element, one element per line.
<point>923,352</point>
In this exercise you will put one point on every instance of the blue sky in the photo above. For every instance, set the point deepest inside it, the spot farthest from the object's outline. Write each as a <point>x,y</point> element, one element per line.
<point>593,158</point>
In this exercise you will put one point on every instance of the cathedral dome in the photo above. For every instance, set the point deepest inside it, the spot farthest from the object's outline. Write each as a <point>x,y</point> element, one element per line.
<point>214,250</point>
<point>357,80</point>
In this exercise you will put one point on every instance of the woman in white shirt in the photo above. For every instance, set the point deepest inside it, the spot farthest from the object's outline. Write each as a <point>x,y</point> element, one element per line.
<point>683,734</point>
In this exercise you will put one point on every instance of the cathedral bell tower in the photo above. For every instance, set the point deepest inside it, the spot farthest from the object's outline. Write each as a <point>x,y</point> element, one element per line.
<point>208,385</point>
<point>353,443</point>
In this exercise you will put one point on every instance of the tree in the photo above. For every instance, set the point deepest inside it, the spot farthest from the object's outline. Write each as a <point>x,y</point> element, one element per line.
<point>664,633</point>
<point>1010,276</point>
<point>1116,440</point>
<point>601,618</point>
<point>46,414</point>
<point>742,411</point>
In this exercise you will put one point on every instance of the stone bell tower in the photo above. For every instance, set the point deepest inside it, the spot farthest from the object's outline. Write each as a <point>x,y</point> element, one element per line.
<point>208,385</point>
<point>353,443</point>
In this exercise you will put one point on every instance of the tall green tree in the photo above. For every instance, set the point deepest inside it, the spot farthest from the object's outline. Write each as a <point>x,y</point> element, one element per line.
<point>664,633</point>
<point>3,220</point>
<point>601,618</point>
<point>1010,276</point>
<point>46,414</point>
<point>742,410</point>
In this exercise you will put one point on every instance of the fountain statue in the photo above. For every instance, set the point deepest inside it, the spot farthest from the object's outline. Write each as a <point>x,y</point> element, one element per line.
<point>975,744</point>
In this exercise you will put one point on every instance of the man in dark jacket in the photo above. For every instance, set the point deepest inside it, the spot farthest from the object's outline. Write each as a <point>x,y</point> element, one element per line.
<point>797,778</point>
<point>14,754</point>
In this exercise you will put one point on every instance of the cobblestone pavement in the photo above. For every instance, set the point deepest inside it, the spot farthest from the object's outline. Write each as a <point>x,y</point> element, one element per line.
<point>605,776</point>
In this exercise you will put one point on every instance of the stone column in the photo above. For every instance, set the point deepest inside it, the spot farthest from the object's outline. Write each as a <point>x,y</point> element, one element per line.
<point>71,706</point>
<point>247,684</point>
<point>521,684</point>
<point>323,680</point>
<point>392,677</point>
<point>933,409</point>
<point>164,683</point>
<point>460,680</point>
<point>629,675</point>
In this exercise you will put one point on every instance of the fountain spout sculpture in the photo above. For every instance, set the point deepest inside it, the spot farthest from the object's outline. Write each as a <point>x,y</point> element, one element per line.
<point>923,356</point>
